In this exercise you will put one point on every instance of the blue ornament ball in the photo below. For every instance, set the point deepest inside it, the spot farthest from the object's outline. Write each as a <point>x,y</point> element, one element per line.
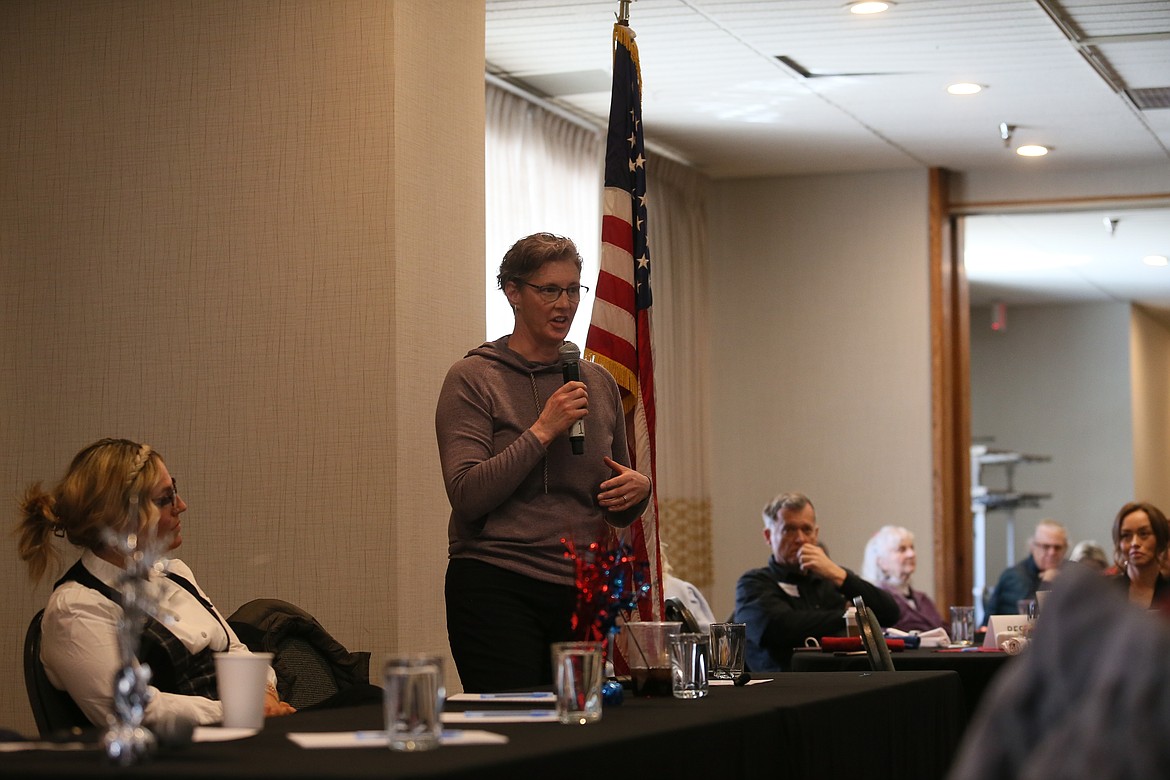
<point>611,693</point>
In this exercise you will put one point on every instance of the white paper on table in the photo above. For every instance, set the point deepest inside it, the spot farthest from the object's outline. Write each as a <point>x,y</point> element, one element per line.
<point>220,734</point>
<point>501,716</point>
<point>935,637</point>
<point>17,747</point>
<point>526,697</point>
<point>311,740</point>
<point>732,682</point>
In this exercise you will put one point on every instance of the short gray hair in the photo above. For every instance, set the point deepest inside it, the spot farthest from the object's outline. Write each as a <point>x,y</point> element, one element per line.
<point>1048,521</point>
<point>793,502</point>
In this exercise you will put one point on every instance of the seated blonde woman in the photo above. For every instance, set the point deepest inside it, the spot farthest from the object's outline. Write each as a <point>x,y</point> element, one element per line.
<point>79,646</point>
<point>889,561</point>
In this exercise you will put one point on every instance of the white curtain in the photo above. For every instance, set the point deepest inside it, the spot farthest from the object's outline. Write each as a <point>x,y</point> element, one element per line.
<point>677,219</point>
<point>544,173</point>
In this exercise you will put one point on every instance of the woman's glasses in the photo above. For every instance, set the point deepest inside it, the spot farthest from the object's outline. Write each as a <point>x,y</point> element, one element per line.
<point>551,293</point>
<point>170,497</point>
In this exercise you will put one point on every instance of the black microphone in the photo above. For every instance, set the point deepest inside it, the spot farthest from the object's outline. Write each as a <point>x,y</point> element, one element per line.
<point>571,371</point>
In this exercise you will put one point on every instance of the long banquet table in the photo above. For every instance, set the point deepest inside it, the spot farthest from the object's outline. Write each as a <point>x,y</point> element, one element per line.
<point>976,667</point>
<point>816,725</point>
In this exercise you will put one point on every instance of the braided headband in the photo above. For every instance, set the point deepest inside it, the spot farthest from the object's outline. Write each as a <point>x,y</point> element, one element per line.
<point>139,462</point>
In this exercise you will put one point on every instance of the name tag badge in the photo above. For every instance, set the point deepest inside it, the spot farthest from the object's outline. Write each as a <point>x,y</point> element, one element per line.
<point>1004,624</point>
<point>790,589</point>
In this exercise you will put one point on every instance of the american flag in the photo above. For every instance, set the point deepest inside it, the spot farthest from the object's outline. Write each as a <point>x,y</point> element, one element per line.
<point>619,331</point>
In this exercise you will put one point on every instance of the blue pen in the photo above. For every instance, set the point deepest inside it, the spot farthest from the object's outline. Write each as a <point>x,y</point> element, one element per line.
<point>369,735</point>
<point>531,695</point>
<point>509,713</point>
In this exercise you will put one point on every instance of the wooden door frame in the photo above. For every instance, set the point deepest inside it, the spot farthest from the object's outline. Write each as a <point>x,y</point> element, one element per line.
<point>950,352</point>
<point>950,347</point>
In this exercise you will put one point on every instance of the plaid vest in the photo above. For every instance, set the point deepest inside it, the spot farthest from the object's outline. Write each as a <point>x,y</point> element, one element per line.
<point>174,668</point>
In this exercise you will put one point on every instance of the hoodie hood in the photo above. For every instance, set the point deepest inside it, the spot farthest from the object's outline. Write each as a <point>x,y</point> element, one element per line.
<point>499,352</point>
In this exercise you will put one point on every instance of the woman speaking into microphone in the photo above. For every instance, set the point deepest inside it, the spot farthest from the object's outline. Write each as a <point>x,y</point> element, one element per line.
<point>516,487</point>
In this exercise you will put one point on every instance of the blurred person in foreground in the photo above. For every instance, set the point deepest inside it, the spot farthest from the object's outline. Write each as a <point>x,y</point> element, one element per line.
<point>801,592</point>
<point>90,507</point>
<point>1088,700</point>
<point>889,562</point>
<point>1048,546</point>
<point>518,493</point>
<point>1141,537</point>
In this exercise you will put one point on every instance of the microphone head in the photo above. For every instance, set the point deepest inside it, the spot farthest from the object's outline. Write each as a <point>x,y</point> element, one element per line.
<point>570,352</point>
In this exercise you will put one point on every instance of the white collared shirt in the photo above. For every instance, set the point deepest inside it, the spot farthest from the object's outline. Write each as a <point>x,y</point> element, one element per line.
<point>79,644</point>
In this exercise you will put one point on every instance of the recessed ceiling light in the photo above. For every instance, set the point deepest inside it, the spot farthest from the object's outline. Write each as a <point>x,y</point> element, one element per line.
<point>1156,260</point>
<point>868,8</point>
<point>1032,150</point>
<point>964,88</point>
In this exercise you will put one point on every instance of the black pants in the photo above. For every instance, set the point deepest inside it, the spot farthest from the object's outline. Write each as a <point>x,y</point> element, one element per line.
<point>501,624</point>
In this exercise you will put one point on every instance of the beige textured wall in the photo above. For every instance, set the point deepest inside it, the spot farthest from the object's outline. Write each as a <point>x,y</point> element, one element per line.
<point>251,234</point>
<point>820,362</point>
<point>1150,387</point>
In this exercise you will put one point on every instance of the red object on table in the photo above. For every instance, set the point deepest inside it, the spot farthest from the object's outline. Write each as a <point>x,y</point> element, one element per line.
<point>850,644</point>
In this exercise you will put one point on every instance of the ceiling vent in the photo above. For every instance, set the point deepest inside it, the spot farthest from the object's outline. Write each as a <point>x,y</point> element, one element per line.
<point>1149,98</point>
<point>795,67</point>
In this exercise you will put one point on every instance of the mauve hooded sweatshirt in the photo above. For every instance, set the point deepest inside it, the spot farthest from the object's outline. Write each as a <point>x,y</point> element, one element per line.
<point>513,501</point>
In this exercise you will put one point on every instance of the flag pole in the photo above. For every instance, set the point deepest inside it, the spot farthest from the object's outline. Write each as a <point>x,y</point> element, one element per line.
<point>619,336</point>
<point>623,14</point>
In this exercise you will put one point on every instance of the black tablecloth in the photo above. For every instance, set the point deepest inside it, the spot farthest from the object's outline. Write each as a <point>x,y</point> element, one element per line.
<point>875,725</point>
<point>976,668</point>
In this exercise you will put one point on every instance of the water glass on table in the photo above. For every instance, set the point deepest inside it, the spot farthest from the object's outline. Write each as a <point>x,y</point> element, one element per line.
<point>688,665</point>
<point>963,626</point>
<point>727,650</point>
<point>577,673</point>
<point>413,694</point>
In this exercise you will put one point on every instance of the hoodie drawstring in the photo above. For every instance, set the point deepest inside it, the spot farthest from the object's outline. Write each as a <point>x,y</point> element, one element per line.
<point>536,403</point>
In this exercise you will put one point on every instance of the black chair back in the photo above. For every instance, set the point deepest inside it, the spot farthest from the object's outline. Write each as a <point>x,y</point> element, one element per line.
<point>872,638</point>
<point>676,610</point>
<point>53,709</point>
<point>312,668</point>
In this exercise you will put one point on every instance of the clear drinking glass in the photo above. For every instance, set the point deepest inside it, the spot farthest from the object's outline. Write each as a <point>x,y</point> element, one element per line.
<point>689,654</point>
<point>963,626</point>
<point>727,650</point>
<point>413,695</point>
<point>577,673</point>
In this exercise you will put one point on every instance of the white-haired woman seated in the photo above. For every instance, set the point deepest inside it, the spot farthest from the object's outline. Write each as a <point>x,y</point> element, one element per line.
<point>889,561</point>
